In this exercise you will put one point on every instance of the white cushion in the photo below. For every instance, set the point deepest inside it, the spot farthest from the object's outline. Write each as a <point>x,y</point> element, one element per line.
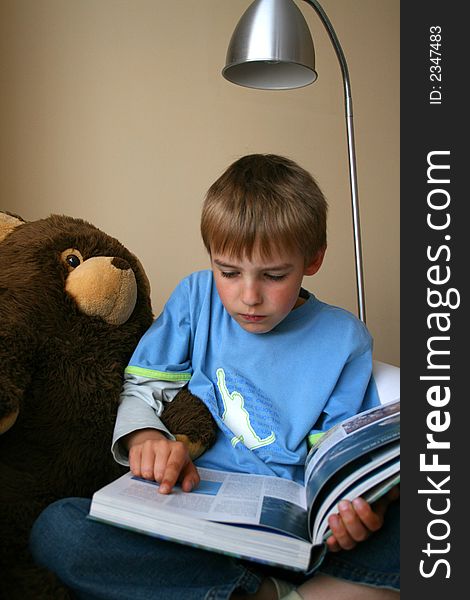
<point>387,378</point>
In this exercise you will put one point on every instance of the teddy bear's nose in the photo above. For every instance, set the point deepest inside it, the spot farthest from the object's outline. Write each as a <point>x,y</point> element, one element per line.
<point>120,263</point>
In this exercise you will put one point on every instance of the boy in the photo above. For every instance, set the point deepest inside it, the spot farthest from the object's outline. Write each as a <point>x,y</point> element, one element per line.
<point>273,364</point>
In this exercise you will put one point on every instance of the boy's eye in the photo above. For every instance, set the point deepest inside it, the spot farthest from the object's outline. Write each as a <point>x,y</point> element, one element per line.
<point>275,277</point>
<point>229,274</point>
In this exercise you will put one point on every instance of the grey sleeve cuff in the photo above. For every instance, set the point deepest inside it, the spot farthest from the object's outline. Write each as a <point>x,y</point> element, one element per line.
<point>133,414</point>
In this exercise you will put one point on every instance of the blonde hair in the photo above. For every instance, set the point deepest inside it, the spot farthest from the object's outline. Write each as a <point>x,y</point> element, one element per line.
<point>264,202</point>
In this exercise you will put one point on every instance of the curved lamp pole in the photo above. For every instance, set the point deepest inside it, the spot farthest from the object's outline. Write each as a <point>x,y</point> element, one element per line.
<point>271,48</point>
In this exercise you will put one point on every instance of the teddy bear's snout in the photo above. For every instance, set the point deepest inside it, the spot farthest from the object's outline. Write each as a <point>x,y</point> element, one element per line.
<point>104,286</point>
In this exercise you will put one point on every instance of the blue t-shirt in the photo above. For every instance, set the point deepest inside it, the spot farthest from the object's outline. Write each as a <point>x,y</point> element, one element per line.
<point>267,392</point>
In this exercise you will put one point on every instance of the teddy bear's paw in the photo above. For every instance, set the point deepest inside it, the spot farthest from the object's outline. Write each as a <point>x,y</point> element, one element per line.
<point>195,449</point>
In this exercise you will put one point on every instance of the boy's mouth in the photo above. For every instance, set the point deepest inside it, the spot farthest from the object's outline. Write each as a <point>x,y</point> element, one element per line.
<point>252,318</point>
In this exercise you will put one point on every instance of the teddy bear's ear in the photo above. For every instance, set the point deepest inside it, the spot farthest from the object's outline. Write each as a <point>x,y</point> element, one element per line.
<point>8,222</point>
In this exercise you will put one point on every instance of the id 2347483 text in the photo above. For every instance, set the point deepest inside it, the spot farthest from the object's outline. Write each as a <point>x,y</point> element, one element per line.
<point>435,67</point>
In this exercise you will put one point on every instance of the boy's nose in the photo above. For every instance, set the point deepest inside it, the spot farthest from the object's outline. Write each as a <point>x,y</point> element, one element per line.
<point>251,295</point>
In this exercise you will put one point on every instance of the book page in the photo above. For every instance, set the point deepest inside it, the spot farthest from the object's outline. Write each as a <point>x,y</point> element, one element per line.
<point>256,500</point>
<point>353,452</point>
<point>135,504</point>
<point>370,488</point>
<point>342,479</point>
<point>349,427</point>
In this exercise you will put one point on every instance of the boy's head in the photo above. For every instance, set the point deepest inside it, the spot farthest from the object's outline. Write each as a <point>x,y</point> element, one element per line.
<point>264,225</point>
<point>264,203</point>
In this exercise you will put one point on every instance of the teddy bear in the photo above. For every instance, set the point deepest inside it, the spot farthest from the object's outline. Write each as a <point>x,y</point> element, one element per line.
<point>74,302</point>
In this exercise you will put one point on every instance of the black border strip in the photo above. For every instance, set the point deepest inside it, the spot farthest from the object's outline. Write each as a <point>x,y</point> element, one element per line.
<point>434,131</point>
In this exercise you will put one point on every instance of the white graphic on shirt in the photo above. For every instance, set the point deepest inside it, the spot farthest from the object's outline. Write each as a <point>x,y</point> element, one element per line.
<point>237,418</point>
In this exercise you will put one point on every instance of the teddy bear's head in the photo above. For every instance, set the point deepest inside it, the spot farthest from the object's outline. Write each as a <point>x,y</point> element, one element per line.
<point>95,270</point>
<point>63,278</point>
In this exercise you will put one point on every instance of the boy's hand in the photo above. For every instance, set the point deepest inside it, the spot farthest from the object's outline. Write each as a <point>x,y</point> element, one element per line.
<point>357,520</point>
<point>153,456</point>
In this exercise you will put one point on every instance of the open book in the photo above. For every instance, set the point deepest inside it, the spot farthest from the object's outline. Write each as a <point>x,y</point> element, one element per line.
<point>267,519</point>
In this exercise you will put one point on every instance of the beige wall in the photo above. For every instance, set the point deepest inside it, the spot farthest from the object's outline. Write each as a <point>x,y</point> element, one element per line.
<point>115,111</point>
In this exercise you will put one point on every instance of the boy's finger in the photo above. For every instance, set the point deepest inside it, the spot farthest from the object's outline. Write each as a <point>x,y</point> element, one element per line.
<point>158,460</point>
<point>135,461</point>
<point>372,519</point>
<point>332,544</point>
<point>147,458</point>
<point>357,530</point>
<point>340,533</point>
<point>177,459</point>
<point>189,477</point>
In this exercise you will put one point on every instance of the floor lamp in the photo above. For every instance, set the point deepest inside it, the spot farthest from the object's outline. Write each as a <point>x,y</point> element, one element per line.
<point>271,48</point>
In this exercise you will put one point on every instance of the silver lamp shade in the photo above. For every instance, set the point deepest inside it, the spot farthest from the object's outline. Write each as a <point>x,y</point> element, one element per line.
<point>271,48</point>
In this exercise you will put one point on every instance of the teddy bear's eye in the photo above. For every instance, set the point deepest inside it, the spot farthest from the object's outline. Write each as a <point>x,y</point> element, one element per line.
<point>72,260</point>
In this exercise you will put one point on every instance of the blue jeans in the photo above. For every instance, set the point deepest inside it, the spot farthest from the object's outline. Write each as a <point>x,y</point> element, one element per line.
<point>100,561</point>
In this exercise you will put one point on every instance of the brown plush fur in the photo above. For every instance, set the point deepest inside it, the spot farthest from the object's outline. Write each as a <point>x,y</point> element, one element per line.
<point>61,371</point>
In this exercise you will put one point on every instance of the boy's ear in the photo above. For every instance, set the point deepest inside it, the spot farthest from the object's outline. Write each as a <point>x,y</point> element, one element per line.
<point>315,263</point>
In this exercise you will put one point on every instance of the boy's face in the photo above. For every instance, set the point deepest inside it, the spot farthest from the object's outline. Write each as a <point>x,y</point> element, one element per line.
<point>259,293</point>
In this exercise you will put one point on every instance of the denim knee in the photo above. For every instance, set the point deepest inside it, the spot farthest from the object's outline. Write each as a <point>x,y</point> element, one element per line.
<point>99,561</point>
<point>54,538</point>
